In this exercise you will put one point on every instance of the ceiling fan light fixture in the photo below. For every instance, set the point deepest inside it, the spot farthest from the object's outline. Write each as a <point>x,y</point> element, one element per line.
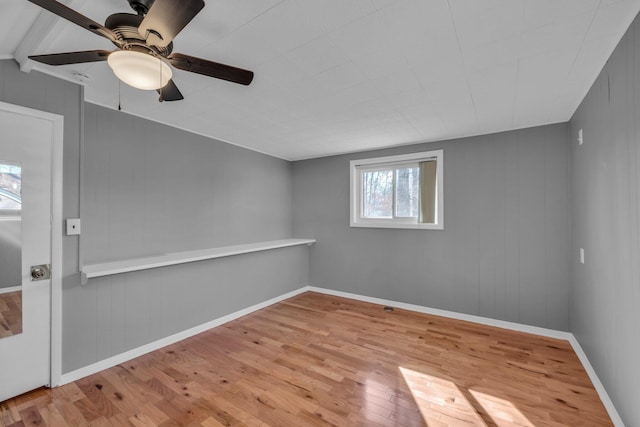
<point>140,70</point>
<point>144,56</point>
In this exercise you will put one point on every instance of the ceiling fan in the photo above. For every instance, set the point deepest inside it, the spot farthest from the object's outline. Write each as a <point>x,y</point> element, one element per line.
<point>144,44</point>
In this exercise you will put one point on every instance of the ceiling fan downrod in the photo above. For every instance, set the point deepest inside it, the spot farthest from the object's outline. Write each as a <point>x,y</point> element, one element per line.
<point>141,7</point>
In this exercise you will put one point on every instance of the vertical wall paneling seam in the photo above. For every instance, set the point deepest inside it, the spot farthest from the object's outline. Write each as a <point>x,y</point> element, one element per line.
<point>635,140</point>
<point>631,136</point>
<point>570,141</point>
<point>546,231</point>
<point>109,187</point>
<point>495,243</point>
<point>81,175</point>
<point>633,143</point>
<point>505,245</point>
<point>519,242</point>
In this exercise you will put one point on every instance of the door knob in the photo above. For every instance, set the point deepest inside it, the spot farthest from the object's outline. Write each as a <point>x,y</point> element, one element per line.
<point>40,272</point>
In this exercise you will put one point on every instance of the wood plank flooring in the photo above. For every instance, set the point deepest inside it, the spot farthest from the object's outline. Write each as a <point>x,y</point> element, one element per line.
<point>10,314</point>
<point>318,360</point>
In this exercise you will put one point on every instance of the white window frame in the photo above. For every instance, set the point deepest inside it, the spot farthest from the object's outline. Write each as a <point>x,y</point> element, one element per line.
<point>356,191</point>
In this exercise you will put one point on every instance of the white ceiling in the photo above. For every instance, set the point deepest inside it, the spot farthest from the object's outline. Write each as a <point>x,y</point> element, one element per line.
<point>336,76</point>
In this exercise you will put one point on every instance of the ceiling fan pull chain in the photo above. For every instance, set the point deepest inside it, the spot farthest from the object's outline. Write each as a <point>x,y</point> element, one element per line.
<point>161,87</point>
<point>119,99</point>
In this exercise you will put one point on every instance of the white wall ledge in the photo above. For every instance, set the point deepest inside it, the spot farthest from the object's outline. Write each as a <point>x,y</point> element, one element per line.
<point>136,264</point>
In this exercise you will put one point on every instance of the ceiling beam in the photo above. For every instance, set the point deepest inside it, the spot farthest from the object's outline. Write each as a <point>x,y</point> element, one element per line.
<point>40,35</point>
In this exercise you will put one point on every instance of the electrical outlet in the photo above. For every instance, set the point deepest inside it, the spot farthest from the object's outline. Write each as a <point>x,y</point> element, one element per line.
<point>581,256</point>
<point>73,227</point>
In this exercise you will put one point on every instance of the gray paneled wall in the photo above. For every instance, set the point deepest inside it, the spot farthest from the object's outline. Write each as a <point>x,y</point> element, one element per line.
<point>115,314</point>
<point>41,92</point>
<point>605,184</point>
<point>504,251</point>
<point>151,189</point>
<point>222,195</point>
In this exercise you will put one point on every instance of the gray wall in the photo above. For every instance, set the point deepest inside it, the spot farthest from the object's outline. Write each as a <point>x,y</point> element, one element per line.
<point>151,189</point>
<point>10,252</point>
<point>135,157</point>
<point>605,184</point>
<point>504,251</point>
<point>118,313</point>
<point>41,92</point>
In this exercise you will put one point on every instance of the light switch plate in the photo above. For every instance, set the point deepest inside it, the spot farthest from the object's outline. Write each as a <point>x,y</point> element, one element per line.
<point>73,227</point>
<point>580,137</point>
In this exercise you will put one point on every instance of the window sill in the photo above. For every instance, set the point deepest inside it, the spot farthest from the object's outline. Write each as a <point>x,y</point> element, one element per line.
<point>398,225</point>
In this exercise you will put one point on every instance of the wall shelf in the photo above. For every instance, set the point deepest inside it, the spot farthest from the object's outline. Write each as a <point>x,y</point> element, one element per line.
<point>136,264</point>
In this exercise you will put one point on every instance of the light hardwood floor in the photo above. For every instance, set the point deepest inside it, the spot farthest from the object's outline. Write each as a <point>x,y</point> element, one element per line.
<point>318,360</point>
<point>10,314</point>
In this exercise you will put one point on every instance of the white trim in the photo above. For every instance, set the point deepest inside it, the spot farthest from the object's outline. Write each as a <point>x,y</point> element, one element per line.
<point>57,141</point>
<point>602,392</point>
<point>56,249</point>
<point>10,289</point>
<point>551,333</point>
<point>147,348</point>
<point>136,264</point>
<point>372,223</point>
<point>355,166</point>
<point>401,158</point>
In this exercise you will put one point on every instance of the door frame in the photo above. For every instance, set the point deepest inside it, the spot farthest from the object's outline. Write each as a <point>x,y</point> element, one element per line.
<point>56,147</point>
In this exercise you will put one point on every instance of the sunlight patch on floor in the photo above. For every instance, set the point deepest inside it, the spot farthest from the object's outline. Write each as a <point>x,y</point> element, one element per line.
<point>442,402</point>
<point>503,412</point>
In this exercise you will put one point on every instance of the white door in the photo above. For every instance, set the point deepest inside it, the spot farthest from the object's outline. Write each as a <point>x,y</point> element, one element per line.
<point>26,144</point>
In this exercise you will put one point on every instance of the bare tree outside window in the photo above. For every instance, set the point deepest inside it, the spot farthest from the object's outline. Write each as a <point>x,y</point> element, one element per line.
<point>407,192</point>
<point>378,193</point>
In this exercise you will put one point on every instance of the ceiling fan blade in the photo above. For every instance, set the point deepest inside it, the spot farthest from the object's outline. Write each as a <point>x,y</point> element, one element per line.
<point>166,18</point>
<point>211,69</point>
<point>75,17</point>
<point>170,92</point>
<point>72,57</point>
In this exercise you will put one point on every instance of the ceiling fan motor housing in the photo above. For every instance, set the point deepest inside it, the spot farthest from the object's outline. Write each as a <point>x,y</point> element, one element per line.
<point>125,26</point>
<point>147,36</point>
<point>141,6</point>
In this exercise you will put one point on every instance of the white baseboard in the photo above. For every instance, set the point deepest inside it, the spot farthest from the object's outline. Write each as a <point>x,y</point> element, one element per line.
<point>10,289</point>
<point>147,348</point>
<point>602,392</point>
<point>551,333</point>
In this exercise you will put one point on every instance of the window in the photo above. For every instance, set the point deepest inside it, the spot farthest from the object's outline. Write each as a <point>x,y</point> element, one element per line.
<point>398,191</point>
<point>10,188</point>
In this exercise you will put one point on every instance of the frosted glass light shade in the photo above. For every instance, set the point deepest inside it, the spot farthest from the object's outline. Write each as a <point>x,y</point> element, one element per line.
<point>140,70</point>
